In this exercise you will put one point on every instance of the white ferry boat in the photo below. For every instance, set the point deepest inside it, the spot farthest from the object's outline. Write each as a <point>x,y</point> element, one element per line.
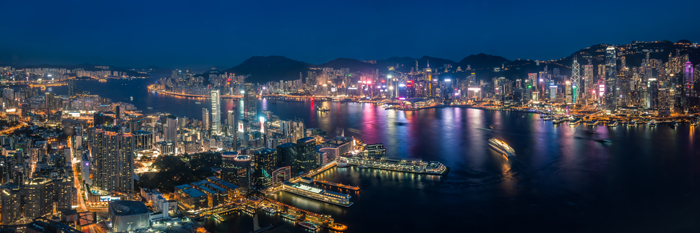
<point>269,210</point>
<point>502,147</point>
<point>342,162</point>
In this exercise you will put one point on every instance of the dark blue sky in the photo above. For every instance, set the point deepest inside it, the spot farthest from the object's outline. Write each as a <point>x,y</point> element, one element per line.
<point>224,33</point>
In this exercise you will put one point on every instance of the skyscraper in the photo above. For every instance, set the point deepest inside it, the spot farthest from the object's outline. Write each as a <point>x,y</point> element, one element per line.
<point>688,82</point>
<point>113,155</point>
<point>170,129</point>
<point>205,118</point>
<point>231,120</point>
<point>215,112</point>
<point>575,81</point>
<point>590,80</point>
<point>249,103</point>
<point>306,154</point>
<point>611,92</point>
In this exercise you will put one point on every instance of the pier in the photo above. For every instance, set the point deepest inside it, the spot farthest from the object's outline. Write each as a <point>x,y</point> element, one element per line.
<point>419,167</point>
<point>339,185</point>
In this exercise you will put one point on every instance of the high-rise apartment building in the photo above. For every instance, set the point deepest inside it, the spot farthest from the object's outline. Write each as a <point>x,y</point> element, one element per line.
<point>113,166</point>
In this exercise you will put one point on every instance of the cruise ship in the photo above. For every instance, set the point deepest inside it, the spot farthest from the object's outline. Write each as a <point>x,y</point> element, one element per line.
<point>502,147</point>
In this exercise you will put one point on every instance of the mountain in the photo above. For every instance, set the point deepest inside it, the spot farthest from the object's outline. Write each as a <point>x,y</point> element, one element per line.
<point>353,64</point>
<point>271,68</point>
<point>483,61</point>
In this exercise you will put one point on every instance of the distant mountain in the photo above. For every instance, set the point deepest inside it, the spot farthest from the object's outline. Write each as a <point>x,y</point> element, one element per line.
<point>353,64</point>
<point>483,61</point>
<point>274,68</point>
<point>271,68</point>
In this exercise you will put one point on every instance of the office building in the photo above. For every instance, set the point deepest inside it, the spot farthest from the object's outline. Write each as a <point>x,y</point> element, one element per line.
<point>215,112</point>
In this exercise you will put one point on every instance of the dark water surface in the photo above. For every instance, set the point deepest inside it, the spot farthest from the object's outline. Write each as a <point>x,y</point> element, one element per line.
<point>561,180</point>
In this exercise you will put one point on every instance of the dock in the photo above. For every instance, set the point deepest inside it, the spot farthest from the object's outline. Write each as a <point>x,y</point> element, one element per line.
<point>339,185</point>
<point>417,166</point>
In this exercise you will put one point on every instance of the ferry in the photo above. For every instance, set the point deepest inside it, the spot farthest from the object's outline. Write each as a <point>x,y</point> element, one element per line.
<point>362,166</point>
<point>132,98</point>
<point>322,109</point>
<point>612,123</point>
<point>308,226</point>
<point>269,210</point>
<point>250,210</point>
<point>502,147</point>
<point>342,162</point>
<point>652,123</point>
<point>288,216</point>
<point>197,102</point>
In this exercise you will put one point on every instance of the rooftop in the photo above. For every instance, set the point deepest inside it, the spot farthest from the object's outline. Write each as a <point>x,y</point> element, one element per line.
<point>122,208</point>
<point>192,192</point>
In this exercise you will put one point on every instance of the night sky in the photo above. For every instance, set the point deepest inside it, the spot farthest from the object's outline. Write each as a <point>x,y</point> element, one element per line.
<point>224,33</point>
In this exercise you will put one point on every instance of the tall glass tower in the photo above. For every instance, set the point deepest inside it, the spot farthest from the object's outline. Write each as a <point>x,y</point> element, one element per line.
<point>611,92</point>
<point>215,112</point>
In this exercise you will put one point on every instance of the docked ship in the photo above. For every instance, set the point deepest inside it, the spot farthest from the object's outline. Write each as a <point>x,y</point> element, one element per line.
<point>502,147</point>
<point>342,162</point>
<point>269,210</point>
<point>308,226</point>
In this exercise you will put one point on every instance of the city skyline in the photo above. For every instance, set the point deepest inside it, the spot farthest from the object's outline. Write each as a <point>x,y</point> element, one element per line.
<point>321,32</point>
<point>359,116</point>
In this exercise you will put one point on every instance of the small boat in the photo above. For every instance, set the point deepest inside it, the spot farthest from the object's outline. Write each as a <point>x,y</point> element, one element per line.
<point>269,210</point>
<point>652,123</point>
<point>197,102</point>
<point>308,226</point>
<point>502,147</point>
<point>362,166</point>
<point>288,216</point>
<point>603,140</point>
<point>132,98</point>
<point>673,125</point>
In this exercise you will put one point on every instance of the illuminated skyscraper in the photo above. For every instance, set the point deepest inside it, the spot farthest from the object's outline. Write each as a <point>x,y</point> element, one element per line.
<point>170,129</point>
<point>688,81</point>
<point>575,81</point>
<point>249,102</point>
<point>589,79</point>
<point>113,155</point>
<point>215,112</point>
<point>611,92</point>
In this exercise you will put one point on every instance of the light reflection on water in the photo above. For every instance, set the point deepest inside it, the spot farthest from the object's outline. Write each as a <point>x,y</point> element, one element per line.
<point>560,179</point>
